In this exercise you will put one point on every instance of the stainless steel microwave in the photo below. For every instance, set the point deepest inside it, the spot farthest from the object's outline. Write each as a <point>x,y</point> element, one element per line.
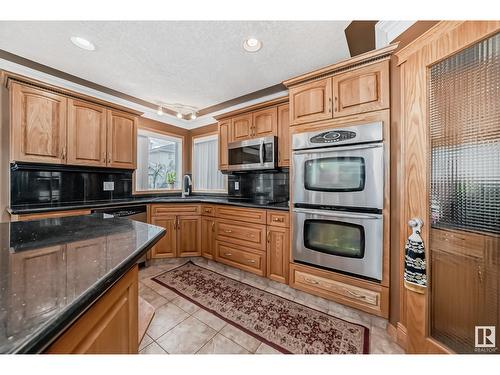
<point>253,154</point>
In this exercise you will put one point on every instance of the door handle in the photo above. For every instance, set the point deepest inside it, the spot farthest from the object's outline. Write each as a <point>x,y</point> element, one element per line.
<point>268,236</point>
<point>261,152</point>
<point>330,106</point>
<point>213,226</point>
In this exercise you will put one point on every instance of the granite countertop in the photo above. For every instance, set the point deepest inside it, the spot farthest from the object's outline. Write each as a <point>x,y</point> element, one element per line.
<point>52,270</point>
<point>37,208</point>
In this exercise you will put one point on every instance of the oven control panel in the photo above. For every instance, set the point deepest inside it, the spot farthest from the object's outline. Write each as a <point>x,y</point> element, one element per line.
<point>333,136</point>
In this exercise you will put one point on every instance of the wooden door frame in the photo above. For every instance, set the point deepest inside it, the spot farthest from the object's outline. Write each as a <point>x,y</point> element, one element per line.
<point>441,41</point>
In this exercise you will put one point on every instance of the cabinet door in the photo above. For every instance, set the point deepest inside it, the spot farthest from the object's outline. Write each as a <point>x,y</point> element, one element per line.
<point>207,237</point>
<point>122,139</point>
<point>278,254</point>
<point>38,125</point>
<point>283,136</point>
<point>189,236</point>
<point>86,134</point>
<point>86,263</point>
<point>242,127</point>
<point>166,247</point>
<point>224,137</point>
<point>362,90</point>
<point>37,287</point>
<point>265,122</point>
<point>311,102</point>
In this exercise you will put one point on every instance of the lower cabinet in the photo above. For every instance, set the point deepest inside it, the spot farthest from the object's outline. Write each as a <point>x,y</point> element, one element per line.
<point>110,326</point>
<point>278,253</point>
<point>183,237</point>
<point>208,237</point>
<point>240,257</point>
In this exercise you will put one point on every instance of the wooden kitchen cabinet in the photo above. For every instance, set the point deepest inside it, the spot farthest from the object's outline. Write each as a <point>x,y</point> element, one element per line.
<point>283,136</point>
<point>208,237</point>
<point>188,236</point>
<point>311,101</point>
<point>242,127</point>
<point>121,140</point>
<point>166,247</point>
<point>224,139</point>
<point>38,125</point>
<point>278,253</point>
<point>361,90</point>
<point>86,134</point>
<point>110,326</point>
<point>265,122</point>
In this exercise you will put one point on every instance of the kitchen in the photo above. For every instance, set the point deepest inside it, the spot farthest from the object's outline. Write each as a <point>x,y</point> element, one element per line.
<point>343,203</point>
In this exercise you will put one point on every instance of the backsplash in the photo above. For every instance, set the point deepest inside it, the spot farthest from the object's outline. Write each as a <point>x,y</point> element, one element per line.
<point>43,184</point>
<point>271,186</point>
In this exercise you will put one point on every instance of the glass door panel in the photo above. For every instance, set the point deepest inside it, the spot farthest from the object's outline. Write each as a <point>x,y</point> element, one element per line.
<point>464,119</point>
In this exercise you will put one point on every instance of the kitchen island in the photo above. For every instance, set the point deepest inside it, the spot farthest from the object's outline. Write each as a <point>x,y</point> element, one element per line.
<point>70,284</point>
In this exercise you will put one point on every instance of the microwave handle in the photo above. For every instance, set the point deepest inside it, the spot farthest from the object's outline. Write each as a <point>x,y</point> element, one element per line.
<point>261,152</point>
<point>335,149</point>
<point>336,214</point>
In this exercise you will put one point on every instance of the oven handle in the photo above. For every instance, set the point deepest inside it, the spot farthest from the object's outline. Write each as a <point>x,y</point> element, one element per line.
<point>261,152</point>
<point>337,214</point>
<point>335,149</point>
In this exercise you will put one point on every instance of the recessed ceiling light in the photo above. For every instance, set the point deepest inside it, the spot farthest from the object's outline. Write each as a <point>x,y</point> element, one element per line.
<point>179,115</point>
<point>252,45</point>
<point>160,111</point>
<point>193,116</point>
<point>82,43</point>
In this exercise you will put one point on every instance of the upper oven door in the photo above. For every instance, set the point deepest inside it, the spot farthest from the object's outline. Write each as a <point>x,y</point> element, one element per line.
<point>252,154</point>
<point>350,176</point>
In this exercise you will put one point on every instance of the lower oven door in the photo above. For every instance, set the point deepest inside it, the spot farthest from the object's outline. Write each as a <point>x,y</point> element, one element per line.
<point>347,242</point>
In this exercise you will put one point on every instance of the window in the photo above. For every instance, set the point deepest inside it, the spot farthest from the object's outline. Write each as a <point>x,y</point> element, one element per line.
<point>159,161</point>
<point>206,174</point>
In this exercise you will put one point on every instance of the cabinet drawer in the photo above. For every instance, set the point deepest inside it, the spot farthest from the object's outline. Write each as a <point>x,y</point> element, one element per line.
<point>278,219</point>
<point>207,210</point>
<point>250,235</point>
<point>175,209</point>
<point>346,290</point>
<point>239,257</point>
<point>249,215</point>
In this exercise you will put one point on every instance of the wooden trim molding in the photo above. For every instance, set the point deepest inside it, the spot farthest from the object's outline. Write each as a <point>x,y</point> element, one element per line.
<point>351,63</point>
<point>269,103</point>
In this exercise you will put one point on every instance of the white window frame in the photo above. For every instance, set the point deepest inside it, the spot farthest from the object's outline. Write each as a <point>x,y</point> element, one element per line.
<point>201,138</point>
<point>169,137</point>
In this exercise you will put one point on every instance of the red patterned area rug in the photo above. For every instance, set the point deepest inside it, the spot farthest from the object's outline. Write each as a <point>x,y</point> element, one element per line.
<point>283,324</point>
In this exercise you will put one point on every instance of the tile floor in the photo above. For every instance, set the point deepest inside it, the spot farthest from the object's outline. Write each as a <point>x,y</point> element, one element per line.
<point>181,327</point>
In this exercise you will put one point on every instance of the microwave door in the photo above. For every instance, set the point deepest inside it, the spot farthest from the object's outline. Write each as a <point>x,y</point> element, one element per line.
<point>340,176</point>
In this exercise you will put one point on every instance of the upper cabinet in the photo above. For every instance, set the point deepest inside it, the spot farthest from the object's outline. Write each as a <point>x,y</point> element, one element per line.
<point>38,125</point>
<point>265,122</point>
<point>242,127</point>
<point>224,137</point>
<point>122,137</point>
<point>283,135</point>
<point>86,133</point>
<point>311,102</point>
<point>350,87</point>
<point>48,127</point>
<point>362,90</point>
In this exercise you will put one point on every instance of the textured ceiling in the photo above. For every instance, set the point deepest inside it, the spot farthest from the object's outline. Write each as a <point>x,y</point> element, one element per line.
<point>197,63</point>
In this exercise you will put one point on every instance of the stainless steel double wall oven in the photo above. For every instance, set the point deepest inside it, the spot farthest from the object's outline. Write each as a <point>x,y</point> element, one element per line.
<point>338,197</point>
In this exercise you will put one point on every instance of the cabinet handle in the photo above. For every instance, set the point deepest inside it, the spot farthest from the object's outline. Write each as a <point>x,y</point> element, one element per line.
<point>311,281</point>
<point>480,274</point>
<point>251,261</point>
<point>213,226</point>
<point>330,106</point>
<point>109,158</point>
<point>228,254</point>
<point>278,219</point>
<point>228,231</point>
<point>355,294</point>
<point>268,236</point>
<point>336,100</point>
<point>63,156</point>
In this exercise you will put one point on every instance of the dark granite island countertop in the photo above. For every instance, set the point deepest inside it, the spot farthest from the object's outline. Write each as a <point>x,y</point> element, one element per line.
<point>52,270</point>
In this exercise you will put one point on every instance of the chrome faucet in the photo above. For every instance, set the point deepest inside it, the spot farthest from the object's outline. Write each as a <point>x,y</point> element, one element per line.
<point>186,185</point>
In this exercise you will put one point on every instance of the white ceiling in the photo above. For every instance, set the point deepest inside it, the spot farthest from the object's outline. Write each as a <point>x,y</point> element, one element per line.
<point>197,63</point>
